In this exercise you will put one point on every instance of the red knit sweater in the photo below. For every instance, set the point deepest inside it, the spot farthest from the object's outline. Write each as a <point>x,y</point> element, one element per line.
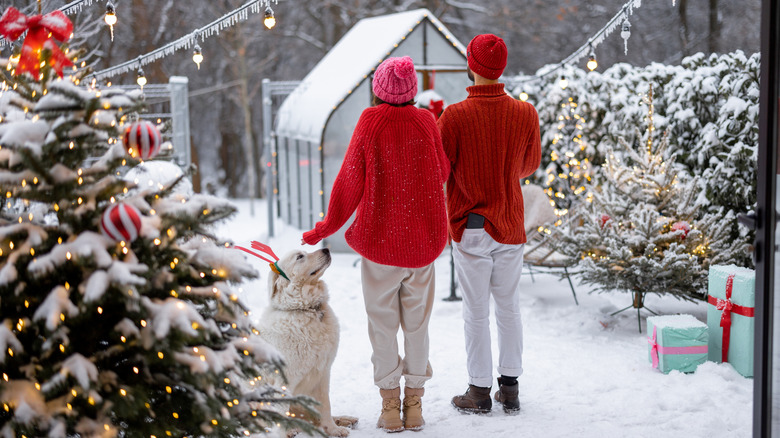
<point>492,141</point>
<point>393,174</point>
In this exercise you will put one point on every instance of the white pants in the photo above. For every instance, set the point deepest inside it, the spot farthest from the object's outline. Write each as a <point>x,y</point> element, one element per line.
<point>487,268</point>
<point>396,297</point>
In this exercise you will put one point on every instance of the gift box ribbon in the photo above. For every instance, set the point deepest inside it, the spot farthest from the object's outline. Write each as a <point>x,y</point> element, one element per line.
<point>656,350</point>
<point>725,318</point>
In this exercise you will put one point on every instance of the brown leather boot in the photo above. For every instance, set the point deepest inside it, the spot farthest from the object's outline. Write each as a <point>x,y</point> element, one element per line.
<point>476,400</point>
<point>412,409</point>
<point>390,418</point>
<point>507,396</point>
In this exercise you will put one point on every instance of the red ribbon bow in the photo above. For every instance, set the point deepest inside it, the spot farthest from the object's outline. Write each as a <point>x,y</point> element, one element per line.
<point>41,29</point>
<point>725,318</point>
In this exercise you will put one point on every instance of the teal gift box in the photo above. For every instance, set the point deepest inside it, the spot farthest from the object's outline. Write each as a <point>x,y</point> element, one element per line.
<point>732,300</point>
<point>676,342</point>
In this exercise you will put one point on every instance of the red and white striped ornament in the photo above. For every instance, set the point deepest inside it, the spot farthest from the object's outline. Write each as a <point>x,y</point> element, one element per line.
<point>121,222</point>
<point>143,140</point>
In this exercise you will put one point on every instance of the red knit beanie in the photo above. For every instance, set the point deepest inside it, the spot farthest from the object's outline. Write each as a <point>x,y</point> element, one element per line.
<point>486,55</point>
<point>395,80</point>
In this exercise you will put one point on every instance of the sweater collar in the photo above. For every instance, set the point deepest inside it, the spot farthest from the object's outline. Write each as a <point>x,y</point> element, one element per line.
<point>397,112</point>
<point>492,90</point>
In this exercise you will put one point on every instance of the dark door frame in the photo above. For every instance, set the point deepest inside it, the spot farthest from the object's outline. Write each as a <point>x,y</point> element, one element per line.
<point>766,219</point>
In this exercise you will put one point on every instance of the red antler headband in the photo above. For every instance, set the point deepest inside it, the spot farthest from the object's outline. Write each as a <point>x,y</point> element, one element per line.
<point>268,251</point>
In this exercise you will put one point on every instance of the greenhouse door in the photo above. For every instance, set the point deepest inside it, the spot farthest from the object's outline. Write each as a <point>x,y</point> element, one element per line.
<point>766,398</point>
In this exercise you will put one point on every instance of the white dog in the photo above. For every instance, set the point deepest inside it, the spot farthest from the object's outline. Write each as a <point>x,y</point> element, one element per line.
<point>301,325</point>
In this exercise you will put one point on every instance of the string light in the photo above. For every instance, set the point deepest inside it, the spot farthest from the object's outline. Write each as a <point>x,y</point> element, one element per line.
<point>141,78</point>
<point>625,33</point>
<point>592,63</point>
<point>214,28</point>
<point>110,18</point>
<point>563,82</point>
<point>269,21</point>
<point>595,40</point>
<point>197,55</point>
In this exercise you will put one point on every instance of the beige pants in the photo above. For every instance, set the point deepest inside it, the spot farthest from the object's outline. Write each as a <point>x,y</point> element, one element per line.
<point>398,297</point>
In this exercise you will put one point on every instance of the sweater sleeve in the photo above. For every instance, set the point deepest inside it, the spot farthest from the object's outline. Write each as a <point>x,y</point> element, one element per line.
<point>347,188</point>
<point>533,151</point>
<point>432,129</point>
<point>446,128</point>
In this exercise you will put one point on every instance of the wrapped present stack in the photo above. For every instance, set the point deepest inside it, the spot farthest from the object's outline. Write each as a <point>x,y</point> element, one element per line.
<point>676,342</point>
<point>732,293</point>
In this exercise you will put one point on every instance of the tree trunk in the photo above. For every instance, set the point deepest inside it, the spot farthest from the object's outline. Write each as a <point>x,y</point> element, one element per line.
<point>714,35</point>
<point>683,33</point>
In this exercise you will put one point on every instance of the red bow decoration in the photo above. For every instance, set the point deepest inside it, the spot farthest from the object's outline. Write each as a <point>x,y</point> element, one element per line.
<point>41,30</point>
<point>728,308</point>
<point>436,107</point>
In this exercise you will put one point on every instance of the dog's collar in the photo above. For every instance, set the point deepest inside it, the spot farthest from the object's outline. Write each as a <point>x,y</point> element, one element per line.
<point>316,309</point>
<point>275,267</point>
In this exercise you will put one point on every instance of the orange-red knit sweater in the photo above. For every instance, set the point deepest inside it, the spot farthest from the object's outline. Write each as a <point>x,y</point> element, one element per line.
<point>492,141</point>
<point>393,174</point>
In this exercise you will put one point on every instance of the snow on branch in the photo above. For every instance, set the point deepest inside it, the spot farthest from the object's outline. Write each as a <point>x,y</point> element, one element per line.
<point>8,340</point>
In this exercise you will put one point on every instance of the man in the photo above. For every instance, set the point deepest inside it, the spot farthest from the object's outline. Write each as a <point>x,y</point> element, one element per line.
<point>492,141</point>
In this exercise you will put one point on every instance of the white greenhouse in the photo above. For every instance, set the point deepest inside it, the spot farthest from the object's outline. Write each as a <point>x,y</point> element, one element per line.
<point>315,123</point>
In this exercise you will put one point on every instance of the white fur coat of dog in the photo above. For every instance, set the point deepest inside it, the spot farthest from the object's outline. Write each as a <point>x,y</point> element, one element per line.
<point>302,326</point>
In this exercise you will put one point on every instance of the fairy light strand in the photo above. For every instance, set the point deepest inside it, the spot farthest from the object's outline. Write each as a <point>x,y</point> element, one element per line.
<point>188,41</point>
<point>592,42</point>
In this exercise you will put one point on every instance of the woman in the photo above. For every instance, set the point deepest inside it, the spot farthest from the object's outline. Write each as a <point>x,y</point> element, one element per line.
<point>393,174</point>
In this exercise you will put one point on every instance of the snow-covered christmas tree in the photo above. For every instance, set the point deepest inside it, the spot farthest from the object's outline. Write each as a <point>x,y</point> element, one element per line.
<point>639,231</point>
<point>118,312</point>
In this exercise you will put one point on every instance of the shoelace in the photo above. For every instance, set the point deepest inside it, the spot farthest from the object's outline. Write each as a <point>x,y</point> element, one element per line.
<point>389,404</point>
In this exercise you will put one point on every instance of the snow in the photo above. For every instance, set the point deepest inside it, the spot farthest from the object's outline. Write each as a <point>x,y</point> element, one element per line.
<point>56,303</point>
<point>676,321</point>
<point>586,374</point>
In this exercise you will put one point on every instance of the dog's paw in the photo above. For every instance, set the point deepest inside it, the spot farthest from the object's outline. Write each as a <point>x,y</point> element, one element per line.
<point>335,430</point>
<point>346,421</point>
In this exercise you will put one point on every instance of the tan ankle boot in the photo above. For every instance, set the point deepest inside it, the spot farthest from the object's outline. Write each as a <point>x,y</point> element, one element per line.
<point>390,418</point>
<point>413,419</point>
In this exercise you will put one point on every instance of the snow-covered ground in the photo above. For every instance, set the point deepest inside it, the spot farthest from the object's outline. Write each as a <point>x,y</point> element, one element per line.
<point>586,374</point>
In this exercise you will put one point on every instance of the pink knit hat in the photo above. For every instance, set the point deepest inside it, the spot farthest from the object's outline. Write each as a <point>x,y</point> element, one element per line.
<point>395,80</point>
<point>487,55</point>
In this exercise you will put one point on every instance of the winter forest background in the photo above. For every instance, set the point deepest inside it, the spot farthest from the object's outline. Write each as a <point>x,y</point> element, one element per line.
<point>227,86</point>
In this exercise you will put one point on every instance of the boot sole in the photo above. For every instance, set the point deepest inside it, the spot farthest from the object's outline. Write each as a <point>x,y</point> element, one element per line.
<point>400,429</point>
<point>512,411</point>
<point>472,411</point>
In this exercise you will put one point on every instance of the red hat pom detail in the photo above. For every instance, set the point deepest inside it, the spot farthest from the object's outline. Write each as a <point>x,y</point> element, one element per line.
<point>143,140</point>
<point>404,67</point>
<point>121,222</point>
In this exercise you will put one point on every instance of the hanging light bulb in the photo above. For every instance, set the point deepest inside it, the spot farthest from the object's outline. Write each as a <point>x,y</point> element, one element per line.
<point>523,96</point>
<point>141,78</point>
<point>197,55</point>
<point>592,63</point>
<point>269,21</point>
<point>563,82</point>
<point>110,18</point>
<point>625,33</point>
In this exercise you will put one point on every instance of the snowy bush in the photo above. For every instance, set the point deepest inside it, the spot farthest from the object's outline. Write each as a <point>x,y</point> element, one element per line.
<point>708,105</point>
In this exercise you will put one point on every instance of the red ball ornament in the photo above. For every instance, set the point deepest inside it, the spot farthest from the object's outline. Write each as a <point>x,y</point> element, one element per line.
<point>143,140</point>
<point>603,220</point>
<point>121,222</point>
<point>682,226</point>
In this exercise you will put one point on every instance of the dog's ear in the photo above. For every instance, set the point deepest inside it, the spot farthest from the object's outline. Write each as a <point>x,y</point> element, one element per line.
<point>273,276</point>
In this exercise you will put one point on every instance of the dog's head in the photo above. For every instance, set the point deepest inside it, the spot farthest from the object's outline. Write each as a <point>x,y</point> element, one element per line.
<point>302,286</point>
